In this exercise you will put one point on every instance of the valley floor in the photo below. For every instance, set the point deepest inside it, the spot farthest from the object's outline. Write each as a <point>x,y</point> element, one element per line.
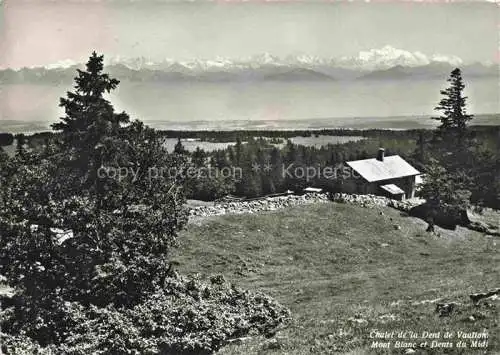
<point>345,271</point>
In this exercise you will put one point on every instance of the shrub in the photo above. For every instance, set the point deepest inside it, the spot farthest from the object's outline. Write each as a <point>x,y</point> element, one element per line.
<point>186,316</point>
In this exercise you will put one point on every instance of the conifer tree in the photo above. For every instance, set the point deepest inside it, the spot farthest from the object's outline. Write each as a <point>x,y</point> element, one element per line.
<point>454,117</point>
<point>90,123</point>
<point>179,148</point>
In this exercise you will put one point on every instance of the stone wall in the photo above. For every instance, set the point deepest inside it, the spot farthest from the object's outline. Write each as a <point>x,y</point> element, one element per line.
<point>264,204</point>
<point>375,200</point>
<point>275,203</point>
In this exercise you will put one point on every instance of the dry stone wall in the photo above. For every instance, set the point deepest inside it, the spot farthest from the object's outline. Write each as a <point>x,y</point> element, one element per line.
<point>275,203</point>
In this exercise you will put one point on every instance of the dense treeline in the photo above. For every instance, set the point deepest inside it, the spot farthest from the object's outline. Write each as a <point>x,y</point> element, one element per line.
<point>231,136</point>
<point>280,169</point>
<point>267,169</point>
<point>482,133</point>
<point>479,162</point>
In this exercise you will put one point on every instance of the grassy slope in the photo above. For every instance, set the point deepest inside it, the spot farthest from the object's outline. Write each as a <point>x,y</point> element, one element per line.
<point>345,270</point>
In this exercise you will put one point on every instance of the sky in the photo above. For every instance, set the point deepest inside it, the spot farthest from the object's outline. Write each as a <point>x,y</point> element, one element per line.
<point>43,32</point>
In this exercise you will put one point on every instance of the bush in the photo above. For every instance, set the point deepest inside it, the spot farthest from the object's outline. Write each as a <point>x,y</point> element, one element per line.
<point>444,215</point>
<point>186,316</point>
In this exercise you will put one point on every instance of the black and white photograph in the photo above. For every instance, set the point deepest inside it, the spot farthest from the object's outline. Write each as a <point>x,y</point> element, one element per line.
<point>249,177</point>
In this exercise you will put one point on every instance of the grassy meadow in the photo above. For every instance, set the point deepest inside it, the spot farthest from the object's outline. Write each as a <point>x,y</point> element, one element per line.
<point>345,271</point>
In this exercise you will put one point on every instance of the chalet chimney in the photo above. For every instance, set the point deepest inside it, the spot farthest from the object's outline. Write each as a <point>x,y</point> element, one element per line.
<point>380,155</point>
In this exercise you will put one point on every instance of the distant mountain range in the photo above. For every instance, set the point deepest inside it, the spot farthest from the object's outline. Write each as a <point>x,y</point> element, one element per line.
<point>279,73</point>
<point>431,71</point>
<point>386,63</point>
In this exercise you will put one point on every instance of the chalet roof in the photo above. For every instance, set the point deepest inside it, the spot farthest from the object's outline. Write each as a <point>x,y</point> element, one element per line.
<point>391,167</point>
<point>392,189</point>
<point>312,189</point>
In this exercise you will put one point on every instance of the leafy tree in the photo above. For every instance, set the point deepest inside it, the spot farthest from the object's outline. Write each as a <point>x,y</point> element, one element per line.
<point>443,188</point>
<point>209,187</point>
<point>105,215</point>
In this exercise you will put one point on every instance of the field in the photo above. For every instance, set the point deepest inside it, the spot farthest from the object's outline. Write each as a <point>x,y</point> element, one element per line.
<point>319,141</point>
<point>191,145</point>
<point>345,271</point>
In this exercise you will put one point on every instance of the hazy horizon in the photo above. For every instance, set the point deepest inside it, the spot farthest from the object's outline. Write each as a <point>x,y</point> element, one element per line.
<point>216,105</point>
<point>44,32</point>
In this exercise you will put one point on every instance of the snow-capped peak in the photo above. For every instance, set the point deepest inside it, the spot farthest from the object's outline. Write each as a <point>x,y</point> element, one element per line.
<point>304,59</point>
<point>265,58</point>
<point>453,60</point>
<point>373,59</point>
<point>136,63</point>
<point>388,56</point>
<point>66,63</point>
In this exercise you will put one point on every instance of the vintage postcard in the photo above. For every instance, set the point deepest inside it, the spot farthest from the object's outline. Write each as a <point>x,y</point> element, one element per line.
<point>249,177</point>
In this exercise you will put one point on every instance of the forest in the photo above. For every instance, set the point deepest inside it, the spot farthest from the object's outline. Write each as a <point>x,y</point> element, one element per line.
<point>474,168</point>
